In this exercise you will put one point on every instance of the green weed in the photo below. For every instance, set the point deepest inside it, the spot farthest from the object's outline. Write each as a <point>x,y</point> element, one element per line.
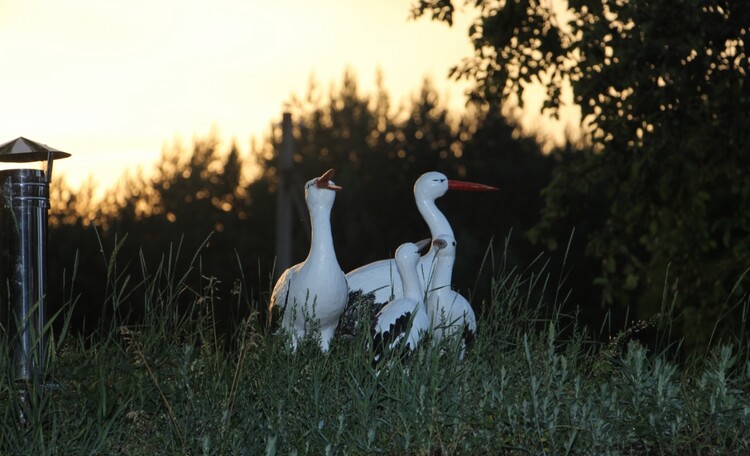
<point>177,383</point>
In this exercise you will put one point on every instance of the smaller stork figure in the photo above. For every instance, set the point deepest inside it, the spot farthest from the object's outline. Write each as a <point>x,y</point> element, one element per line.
<point>403,317</point>
<point>372,285</point>
<point>313,294</point>
<point>450,313</point>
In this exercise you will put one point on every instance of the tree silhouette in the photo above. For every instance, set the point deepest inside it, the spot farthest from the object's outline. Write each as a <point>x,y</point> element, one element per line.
<point>664,94</point>
<point>378,152</point>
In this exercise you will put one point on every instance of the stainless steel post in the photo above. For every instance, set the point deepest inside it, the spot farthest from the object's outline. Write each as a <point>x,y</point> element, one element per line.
<point>23,274</point>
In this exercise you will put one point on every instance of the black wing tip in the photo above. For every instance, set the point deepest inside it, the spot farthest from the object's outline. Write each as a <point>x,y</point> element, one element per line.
<point>382,341</point>
<point>469,337</point>
<point>361,309</point>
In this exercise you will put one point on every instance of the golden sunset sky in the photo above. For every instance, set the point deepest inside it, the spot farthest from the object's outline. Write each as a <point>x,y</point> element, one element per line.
<point>113,83</point>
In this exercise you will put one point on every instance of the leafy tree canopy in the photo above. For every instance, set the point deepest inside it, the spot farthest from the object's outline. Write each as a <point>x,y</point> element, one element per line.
<point>663,87</point>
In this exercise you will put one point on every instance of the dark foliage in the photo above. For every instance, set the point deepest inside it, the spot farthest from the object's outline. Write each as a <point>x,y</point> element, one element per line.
<point>663,89</point>
<point>197,202</point>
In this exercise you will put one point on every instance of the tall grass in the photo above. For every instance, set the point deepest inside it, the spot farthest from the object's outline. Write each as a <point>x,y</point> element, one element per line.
<point>534,383</point>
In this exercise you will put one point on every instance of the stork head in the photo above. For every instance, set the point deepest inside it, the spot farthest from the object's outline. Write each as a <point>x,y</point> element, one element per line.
<point>433,185</point>
<point>408,253</point>
<point>321,191</point>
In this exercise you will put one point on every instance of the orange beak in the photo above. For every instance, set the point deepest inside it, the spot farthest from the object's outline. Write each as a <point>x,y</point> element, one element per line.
<point>324,181</point>
<point>469,186</point>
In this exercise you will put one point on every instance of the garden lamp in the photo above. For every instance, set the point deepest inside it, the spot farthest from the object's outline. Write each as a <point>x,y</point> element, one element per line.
<point>24,202</point>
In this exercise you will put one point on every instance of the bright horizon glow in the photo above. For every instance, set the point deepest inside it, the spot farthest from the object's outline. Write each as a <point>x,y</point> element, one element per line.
<point>114,84</point>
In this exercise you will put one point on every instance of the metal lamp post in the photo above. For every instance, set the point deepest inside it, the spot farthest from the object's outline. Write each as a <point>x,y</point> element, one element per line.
<point>24,202</point>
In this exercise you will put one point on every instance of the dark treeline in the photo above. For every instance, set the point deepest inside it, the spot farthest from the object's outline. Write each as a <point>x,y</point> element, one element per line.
<point>198,200</point>
<point>199,204</point>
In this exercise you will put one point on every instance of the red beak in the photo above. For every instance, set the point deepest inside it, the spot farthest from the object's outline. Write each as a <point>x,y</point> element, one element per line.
<point>469,186</point>
<point>324,181</point>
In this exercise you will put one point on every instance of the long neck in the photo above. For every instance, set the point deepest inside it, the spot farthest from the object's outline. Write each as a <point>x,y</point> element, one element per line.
<point>411,283</point>
<point>437,223</point>
<point>435,219</point>
<point>321,240</point>
<point>443,271</point>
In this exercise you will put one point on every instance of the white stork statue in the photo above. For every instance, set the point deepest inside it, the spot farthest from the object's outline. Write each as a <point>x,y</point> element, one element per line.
<point>450,313</point>
<point>313,294</point>
<point>404,317</point>
<point>376,283</point>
